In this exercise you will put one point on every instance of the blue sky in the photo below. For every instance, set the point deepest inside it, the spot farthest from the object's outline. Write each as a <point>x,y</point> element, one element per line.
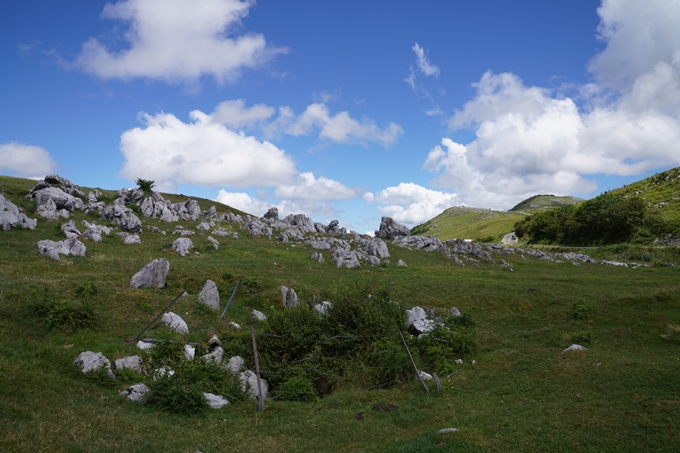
<point>350,110</point>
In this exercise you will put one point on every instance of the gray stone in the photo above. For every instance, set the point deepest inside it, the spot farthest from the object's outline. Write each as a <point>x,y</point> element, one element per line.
<point>447,430</point>
<point>283,237</point>
<point>272,213</point>
<point>136,393</point>
<point>323,307</point>
<point>453,311</point>
<point>510,239</point>
<point>249,385</point>
<point>214,242</point>
<point>401,263</point>
<point>215,401</point>
<point>290,298</point>
<point>377,247</point>
<point>215,355</point>
<point>133,362</point>
<point>259,315</point>
<point>153,274</point>
<point>574,348</point>
<point>425,376</point>
<point>61,199</point>
<point>91,361</point>
<point>373,260</point>
<point>175,322</point>
<point>132,239</point>
<point>221,232</point>
<point>234,364</point>
<point>209,295</point>
<point>203,226</point>
<point>316,256</point>
<point>49,249</point>
<point>182,246</point>
<point>389,229</point>
<point>189,352</point>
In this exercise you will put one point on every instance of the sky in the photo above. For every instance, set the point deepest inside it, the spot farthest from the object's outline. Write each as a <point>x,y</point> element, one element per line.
<point>348,110</point>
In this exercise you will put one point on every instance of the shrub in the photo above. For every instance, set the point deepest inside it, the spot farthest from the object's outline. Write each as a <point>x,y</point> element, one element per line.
<point>171,394</point>
<point>66,315</point>
<point>297,388</point>
<point>146,185</point>
<point>580,309</point>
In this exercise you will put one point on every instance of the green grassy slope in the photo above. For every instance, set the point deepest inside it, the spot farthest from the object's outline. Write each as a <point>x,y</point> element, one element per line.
<point>544,202</point>
<point>661,192</point>
<point>623,394</point>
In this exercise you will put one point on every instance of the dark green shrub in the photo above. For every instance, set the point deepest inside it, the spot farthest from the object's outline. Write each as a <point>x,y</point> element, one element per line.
<point>581,309</point>
<point>66,315</point>
<point>146,185</point>
<point>297,388</point>
<point>172,394</point>
<point>87,289</point>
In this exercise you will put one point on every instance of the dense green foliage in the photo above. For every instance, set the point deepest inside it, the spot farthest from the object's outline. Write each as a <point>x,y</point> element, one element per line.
<point>606,219</point>
<point>146,185</point>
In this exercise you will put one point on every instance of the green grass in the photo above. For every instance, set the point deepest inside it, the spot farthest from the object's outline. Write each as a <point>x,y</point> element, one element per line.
<point>663,188</point>
<point>469,223</point>
<point>623,394</point>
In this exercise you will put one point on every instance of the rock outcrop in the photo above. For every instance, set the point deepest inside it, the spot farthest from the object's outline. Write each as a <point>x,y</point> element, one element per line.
<point>153,274</point>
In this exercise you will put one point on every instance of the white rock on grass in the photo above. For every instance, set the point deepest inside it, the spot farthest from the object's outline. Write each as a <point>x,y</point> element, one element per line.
<point>182,246</point>
<point>401,263</point>
<point>234,364</point>
<point>214,242</point>
<point>209,295</point>
<point>574,348</point>
<point>425,376</point>
<point>136,392</point>
<point>323,307</point>
<point>145,345</point>
<point>215,401</point>
<point>249,384</point>
<point>290,298</point>
<point>69,247</point>
<point>259,315</point>
<point>162,372</point>
<point>189,352</point>
<point>175,322</point>
<point>447,430</point>
<point>91,361</point>
<point>132,362</point>
<point>215,355</point>
<point>234,325</point>
<point>153,274</point>
<point>132,239</point>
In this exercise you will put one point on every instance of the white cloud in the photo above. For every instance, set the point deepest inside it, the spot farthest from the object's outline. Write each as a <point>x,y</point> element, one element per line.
<point>340,128</point>
<point>410,203</point>
<point>236,115</point>
<point>310,188</point>
<point>258,207</point>
<point>423,63</point>
<point>177,40</point>
<point>200,152</point>
<point>531,140</point>
<point>25,160</point>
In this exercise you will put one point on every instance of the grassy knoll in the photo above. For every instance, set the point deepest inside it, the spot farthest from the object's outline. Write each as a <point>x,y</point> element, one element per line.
<point>623,394</point>
<point>470,223</point>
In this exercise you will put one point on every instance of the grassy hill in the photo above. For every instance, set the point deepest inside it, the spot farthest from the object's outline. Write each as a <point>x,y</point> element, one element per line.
<point>661,192</point>
<point>486,224</point>
<point>521,395</point>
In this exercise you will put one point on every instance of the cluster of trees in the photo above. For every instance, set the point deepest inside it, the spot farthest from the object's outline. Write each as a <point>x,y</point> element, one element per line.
<point>606,219</point>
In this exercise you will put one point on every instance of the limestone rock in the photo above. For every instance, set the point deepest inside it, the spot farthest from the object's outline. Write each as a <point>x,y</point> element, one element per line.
<point>61,199</point>
<point>91,361</point>
<point>49,249</point>
<point>133,362</point>
<point>574,348</point>
<point>316,256</point>
<point>389,229</point>
<point>290,298</point>
<point>136,392</point>
<point>214,242</point>
<point>153,274</point>
<point>215,355</point>
<point>182,246</point>
<point>259,315</point>
<point>234,364</point>
<point>132,239</point>
<point>175,322</point>
<point>447,430</point>
<point>453,311</point>
<point>215,401</point>
<point>203,226</point>
<point>272,213</point>
<point>249,384</point>
<point>189,352</point>
<point>425,376</point>
<point>401,263</point>
<point>373,260</point>
<point>209,295</point>
<point>323,307</point>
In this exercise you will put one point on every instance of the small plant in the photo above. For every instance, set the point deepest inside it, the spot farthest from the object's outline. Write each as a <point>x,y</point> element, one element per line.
<point>146,185</point>
<point>581,309</point>
<point>672,333</point>
<point>86,289</point>
<point>66,315</point>
<point>172,394</point>
<point>297,388</point>
<point>581,338</point>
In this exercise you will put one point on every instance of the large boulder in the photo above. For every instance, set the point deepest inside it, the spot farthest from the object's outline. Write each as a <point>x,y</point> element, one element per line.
<point>272,213</point>
<point>133,362</point>
<point>215,401</point>
<point>249,385</point>
<point>136,392</point>
<point>389,229</point>
<point>69,247</point>
<point>123,217</point>
<point>61,199</point>
<point>10,216</point>
<point>290,298</point>
<point>175,322</point>
<point>209,295</point>
<point>153,274</point>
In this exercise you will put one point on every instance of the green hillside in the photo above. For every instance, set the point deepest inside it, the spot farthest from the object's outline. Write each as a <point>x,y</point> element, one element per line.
<point>544,202</point>
<point>521,393</point>
<point>661,192</point>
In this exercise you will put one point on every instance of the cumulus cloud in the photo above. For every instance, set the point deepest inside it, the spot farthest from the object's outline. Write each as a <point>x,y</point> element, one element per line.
<point>200,152</point>
<point>423,63</point>
<point>533,140</point>
<point>339,128</point>
<point>25,160</point>
<point>177,40</point>
<point>410,203</point>
<point>310,188</point>
<point>258,207</point>
<point>236,115</point>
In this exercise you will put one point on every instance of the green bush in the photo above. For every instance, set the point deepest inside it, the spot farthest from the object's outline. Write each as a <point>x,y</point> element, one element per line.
<point>146,185</point>
<point>62,314</point>
<point>172,394</point>
<point>297,388</point>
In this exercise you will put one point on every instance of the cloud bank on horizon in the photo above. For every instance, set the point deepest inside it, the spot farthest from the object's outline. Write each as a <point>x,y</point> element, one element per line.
<point>525,139</point>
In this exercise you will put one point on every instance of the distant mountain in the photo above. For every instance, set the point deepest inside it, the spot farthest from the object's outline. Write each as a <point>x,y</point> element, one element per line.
<point>544,202</point>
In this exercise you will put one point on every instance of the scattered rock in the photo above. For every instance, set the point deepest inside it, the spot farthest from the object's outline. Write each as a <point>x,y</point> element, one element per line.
<point>401,263</point>
<point>425,376</point>
<point>290,298</point>
<point>214,242</point>
<point>203,226</point>
<point>234,365</point>
<point>272,213</point>
<point>447,430</point>
<point>132,239</point>
<point>70,230</point>
<point>215,401</point>
<point>92,361</point>
<point>323,307</point>
<point>145,345</point>
<point>153,274</point>
<point>574,348</point>
<point>249,384</point>
<point>259,315</point>
<point>69,247</point>
<point>453,311</point>
<point>189,352</point>
<point>209,295</point>
<point>389,229</point>
<point>182,246</point>
<point>132,362</point>
<point>136,392</point>
<point>175,322</point>
<point>316,256</point>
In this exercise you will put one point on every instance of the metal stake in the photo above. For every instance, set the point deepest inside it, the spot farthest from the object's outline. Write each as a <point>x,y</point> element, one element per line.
<point>230,299</point>
<point>414,363</point>
<point>436,379</point>
<point>260,406</point>
<point>159,315</point>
